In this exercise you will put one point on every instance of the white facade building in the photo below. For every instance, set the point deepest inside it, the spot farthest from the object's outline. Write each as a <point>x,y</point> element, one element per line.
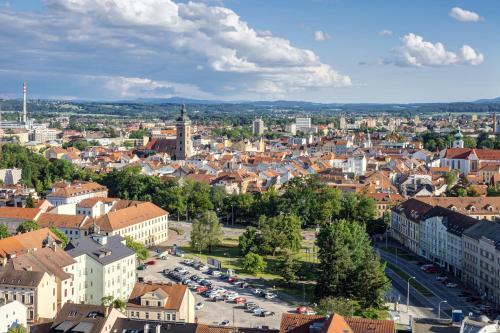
<point>258,127</point>
<point>12,314</point>
<point>106,267</point>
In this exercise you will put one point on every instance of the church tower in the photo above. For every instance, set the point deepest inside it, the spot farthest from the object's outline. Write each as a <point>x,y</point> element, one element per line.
<point>459,142</point>
<point>496,124</point>
<point>183,143</point>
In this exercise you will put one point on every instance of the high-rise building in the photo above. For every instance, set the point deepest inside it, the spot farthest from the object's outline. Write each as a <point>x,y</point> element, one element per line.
<point>183,144</point>
<point>343,123</point>
<point>303,123</point>
<point>496,124</point>
<point>258,127</point>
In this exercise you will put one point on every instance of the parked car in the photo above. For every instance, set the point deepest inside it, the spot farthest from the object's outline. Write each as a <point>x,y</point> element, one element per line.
<point>141,267</point>
<point>201,289</point>
<point>151,263</point>
<point>240,300</point>
<point>250,305</point>
<point>199,306</point>
<point>231,296</point>
<point>203,267</point>
<point>217,298</point>
<point>180,270</point>
<point>266,313</point>
<point>232,279</point>
<point>451,285</point>
<point>303,309</point>
<point>258,311</point>
<point>441,277</point>
<point>431,270</point>
<point>426,266</point>
<point>256,291</point>
<point>188,262</point>
<point>270,295</point>
<point>216,273</point>
<point>310,312</point>
<point>224,323</point>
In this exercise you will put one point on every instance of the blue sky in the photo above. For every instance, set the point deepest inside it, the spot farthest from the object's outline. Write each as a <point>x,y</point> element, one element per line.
<point>314,50</point>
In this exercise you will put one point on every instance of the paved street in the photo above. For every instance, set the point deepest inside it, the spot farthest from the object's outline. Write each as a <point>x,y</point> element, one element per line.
<point>216,312</point>
<point>441,293</point>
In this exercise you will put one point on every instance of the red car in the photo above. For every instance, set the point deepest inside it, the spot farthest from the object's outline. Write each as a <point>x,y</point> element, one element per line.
<point>302,309</point>
<point>201,289</point>
<point>240,300</point>
<point>431,270</point>
<point>151,263</point>
<point>231,280</point>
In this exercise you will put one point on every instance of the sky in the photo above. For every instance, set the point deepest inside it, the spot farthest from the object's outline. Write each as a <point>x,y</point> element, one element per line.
<point>331,51</point>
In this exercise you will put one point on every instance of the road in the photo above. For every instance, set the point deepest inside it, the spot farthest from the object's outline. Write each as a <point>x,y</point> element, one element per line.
<point>441,293</point>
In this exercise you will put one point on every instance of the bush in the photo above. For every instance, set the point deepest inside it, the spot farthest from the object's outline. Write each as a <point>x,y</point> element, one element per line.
<point>253,263</point>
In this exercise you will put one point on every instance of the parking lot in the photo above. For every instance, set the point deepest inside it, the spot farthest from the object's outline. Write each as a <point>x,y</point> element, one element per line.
<point>223,310</point>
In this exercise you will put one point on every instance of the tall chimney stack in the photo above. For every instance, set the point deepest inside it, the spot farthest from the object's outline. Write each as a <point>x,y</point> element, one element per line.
<point>24,104</point>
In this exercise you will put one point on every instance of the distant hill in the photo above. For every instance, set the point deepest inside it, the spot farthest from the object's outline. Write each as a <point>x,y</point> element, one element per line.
<point>492,100</point>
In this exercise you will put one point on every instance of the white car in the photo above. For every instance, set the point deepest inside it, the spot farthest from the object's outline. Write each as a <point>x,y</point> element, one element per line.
<point>219,290</point>
<point>188,262</point>
<point>224,323</point>
<point>180,270</point>
<point>199,306</point>
<point>310,312</point>
<point>258,311</point>
<point>256,291</point>
<point>451,285</point>
<point>216,273</point>
<point>231,296</point>
<point>203,268</point>
<point>270,296</point>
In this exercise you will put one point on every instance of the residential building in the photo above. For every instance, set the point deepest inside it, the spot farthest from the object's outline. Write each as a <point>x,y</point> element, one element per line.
<point>477,207</point>
<point>258,127</point>
<point>12,217</point>
<point>70,225</point>
<point>13,246</point>
<point>441,232</point>
<point>16,195</point>
<point>405,223</point>
<point>72,193</point>
<point>44,134</point>
<point>35,289</point>
<point>12,314</point>
<point>161,302</point>
<point>94,207</point>
<point>85,318</point>
<point>481,246</point>
<point>106,267</point>
<point>143,221</point>
<point>356,164</point>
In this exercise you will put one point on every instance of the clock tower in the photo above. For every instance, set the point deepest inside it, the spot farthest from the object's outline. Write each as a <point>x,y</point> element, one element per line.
<point>183,143</point>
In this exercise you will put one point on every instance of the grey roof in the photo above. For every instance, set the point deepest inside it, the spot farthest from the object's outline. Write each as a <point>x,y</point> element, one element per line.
<point>112,251</point>
<point>10,276</point>
<point>455,223</point>
<point>485,229</point>
<point>125,325</point>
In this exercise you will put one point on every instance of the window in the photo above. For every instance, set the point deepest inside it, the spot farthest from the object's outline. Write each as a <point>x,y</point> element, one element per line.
<point>147,315</point>
<point>173,317</point>
<point>158,316</point>
<point>159,303</point>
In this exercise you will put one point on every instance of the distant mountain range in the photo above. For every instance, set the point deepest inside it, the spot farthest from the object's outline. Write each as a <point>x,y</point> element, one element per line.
<point>290,104</point>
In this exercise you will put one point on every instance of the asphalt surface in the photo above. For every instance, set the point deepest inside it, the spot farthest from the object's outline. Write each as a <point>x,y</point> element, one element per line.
<point>214,313</point>
<point>440,291</point>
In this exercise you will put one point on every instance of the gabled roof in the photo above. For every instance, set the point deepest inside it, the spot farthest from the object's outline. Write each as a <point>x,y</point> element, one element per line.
<point>174,293</point>
<point>456,223</point>
<point>23,242</point>
<point>28,214</point>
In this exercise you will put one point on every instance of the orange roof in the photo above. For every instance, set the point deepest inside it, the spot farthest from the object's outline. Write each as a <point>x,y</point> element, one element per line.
<point>23,242</point>
<point>362,325</point>
<point>122,218</point>
<point>60,220</point>
<point>298,323</point>
<point>28,214</point>
<point>74,189</point>
<point>337,324</point>
<point>174,293</point>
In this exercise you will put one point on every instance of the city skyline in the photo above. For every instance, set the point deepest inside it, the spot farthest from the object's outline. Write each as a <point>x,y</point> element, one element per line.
<point>318,51</point>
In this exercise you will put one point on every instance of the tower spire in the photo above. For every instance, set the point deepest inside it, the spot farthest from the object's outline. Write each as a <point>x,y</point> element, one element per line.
<point>24,104</point>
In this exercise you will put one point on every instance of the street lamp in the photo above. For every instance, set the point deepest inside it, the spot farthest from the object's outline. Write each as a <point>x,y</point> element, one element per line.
<point>439,308</point>
<point>408,293</point>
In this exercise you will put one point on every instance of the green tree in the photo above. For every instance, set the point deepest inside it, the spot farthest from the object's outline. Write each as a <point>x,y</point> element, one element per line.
<point>4,232</point>
<point>348,267</point>
<point>281,232</point>
<point>62,237</point>
<point>450,178</point>
<point>119,304</point>
<point>372,283</point>
<point>17,329</point>
<point>288,267</point>
<point>140,250</point>
<point>206,232</point>
<point>107,300</point>
<point>250,240</point>
<point>27,226</point>
<point>253,263</point>
<point>470,142</point>
<point>337,305</point>
<point>29,201</point>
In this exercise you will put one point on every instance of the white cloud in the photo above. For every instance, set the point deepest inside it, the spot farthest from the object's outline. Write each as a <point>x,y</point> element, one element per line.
<point>321,36</point>
<point>385,33</point>
<point>415,51</point>
<point>464,15</point>
<point>214,36</point>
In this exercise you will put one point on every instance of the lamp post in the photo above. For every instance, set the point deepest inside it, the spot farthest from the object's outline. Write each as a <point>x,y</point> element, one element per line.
<point>408,293</point>
<point>439,308</point>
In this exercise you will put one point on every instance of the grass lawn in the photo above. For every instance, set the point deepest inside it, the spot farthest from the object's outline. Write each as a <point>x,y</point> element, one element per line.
<point>415,284</point>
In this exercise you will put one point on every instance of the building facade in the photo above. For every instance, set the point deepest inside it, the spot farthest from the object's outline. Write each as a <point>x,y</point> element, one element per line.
<point>183,143</point>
